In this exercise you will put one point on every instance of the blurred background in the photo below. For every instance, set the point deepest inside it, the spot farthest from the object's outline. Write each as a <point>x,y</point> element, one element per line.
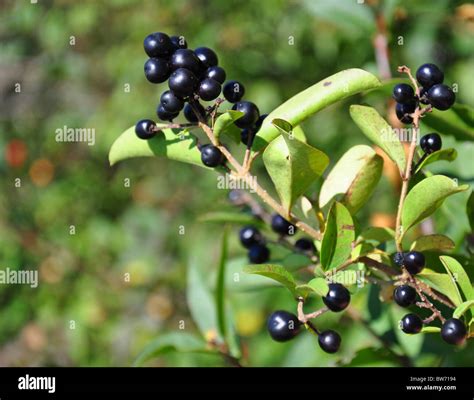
<point>68,63</point>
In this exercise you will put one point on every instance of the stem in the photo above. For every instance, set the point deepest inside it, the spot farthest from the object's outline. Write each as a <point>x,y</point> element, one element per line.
<point>304,318</point>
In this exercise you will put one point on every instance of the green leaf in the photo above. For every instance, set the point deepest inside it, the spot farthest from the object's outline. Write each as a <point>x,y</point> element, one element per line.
<point>462,308</point>
<point>225,125</point>
<point>355,176</point>
<point>432,242</point>
<point>176,341</point>
<point>426,197</point>
<point>308,102</point>
<point>460,276</point>
<point>275,272</point>
<point>470,210</point>
<point>220,296</point>
<point>231,217</point>
<point>379,132</point>
<point>430,329</point>
<point>174,144</point>
<point>337,241</point>
<point>318,286</point>
<point>292,165</point>
<point>443,283</point>
<point>444,154</point>
<point>377,234</point>
<point>457,121</point>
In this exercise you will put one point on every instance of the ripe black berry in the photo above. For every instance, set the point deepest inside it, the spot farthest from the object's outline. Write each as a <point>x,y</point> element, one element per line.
<point>329,341</point>
<point>171,102</point>
<point>179,42</point>
<point>338,297</point>
<point>144,129</point>
<point>250,116</point>
<point>185,58</point>
<point>183,82</point>
<point>441,97</point>
<point>189,112</point>
<point>428,75</point>
<point>403,93</point>
<point>411,323</point>
<point>403,111</point>
<point>217,73</point>
<point>431,142</point>
<point>414,262</point>
<point>158,44</point>
<point>233,91</point>
<point>207,56</point>
<point>282,226</point>
<point>209,89</point>
<point>399,258</point>
<point>164,114</point>
<point>283,326</point>
<point>157,70</point>
<point>249,235</point>
<point>305,245</point>
<point>404,295</point>
<point>258,254</point>
<point>246,135</point>
<point>454,331</point>
<point>211,156</point>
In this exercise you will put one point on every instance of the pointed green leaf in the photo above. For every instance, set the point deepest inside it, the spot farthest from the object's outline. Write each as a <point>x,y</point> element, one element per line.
<point>317,286</point>
<point>379,132</point>
<point>432,242</point>
<point>220,297</point>
<point>444,154</point>
<point>462,308</point>
<point>225,125</point>
<point>460,276</point>
<point>308,102</point>
<point>443,283</point>
<point>337,241</point>
<point>275,272</point>
<point>426,197</point>
<point>457,121</point>
<point>292,165</point>
<point>355,176</point>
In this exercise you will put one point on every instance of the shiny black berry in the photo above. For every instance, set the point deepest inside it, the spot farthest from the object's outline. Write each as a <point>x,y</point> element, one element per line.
<point>207,56</point>
<point>145,129</point>
<point>183,82</point>
<point>282,226</point>
<point>454,331</point>
<point>171,102</point>
<point>329,341</point>
<point>431,142</point>
<point>209,89</point>
<point>258,254</point>
<point>403,93</point>
<point>283,326</point>
<point>249,235</point>
<point>428,75</point>
<point>338,297</point>
<point>179,42</point>
<point>423,99</point>
<point>158,44</point>
<point>157,70</point>
<point>211,156</point>
<point>251,114</point>
<point>305,245</point>
<point>441,97</point>
<point>217,73</point>
<point>399,258</point>
<point>190,115</point>
<point>411,323</point>
<point>414,262</point>
<point>164,114</point>
<point>403,111</point>
<point>233,91</point>
<point>185,58</point>
<point>404,295</point>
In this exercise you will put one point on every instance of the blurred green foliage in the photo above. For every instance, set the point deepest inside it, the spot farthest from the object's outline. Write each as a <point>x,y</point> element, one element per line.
<point>133,231</point>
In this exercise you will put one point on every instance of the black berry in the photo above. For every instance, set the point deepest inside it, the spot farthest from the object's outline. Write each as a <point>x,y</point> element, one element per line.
<point>211,156</point>
<point>399,258</point>
<point>157,70</point>
<point>190,115</point>
<point>428,75</point>
<point>403,111</point>
<point>185,58</point>
<point>403,93</point>
<point>282,226</point>
<point>209,89</point>
<point>404,295</point>
<point>249,235</point>
<point>207,56</point>
<point>338,297</point>
<point>258,254</point>
<point>411,323</point>
<point>414,262</point>
<point>423,99</point>
<point>283,326</point>
<point>145,129</point>
<point>454,331</point>
<point>441,97</point>
<point>217,73</point>
<point>431,142</point>
<point>171,102</point>
<point>158,44</point>
<point>164,114</point>
<point>305,245</point>
<point>183,82</point>
<point>233,91</point>
<point>251,114</point>
<point>329,341</point>
<point>179,42</point>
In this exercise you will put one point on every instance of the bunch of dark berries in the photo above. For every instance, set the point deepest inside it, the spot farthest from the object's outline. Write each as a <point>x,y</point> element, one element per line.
<point>432,92</point>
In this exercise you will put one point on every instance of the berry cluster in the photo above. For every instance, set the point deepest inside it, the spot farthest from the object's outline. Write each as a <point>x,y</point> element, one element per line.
<point>432,92</point>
